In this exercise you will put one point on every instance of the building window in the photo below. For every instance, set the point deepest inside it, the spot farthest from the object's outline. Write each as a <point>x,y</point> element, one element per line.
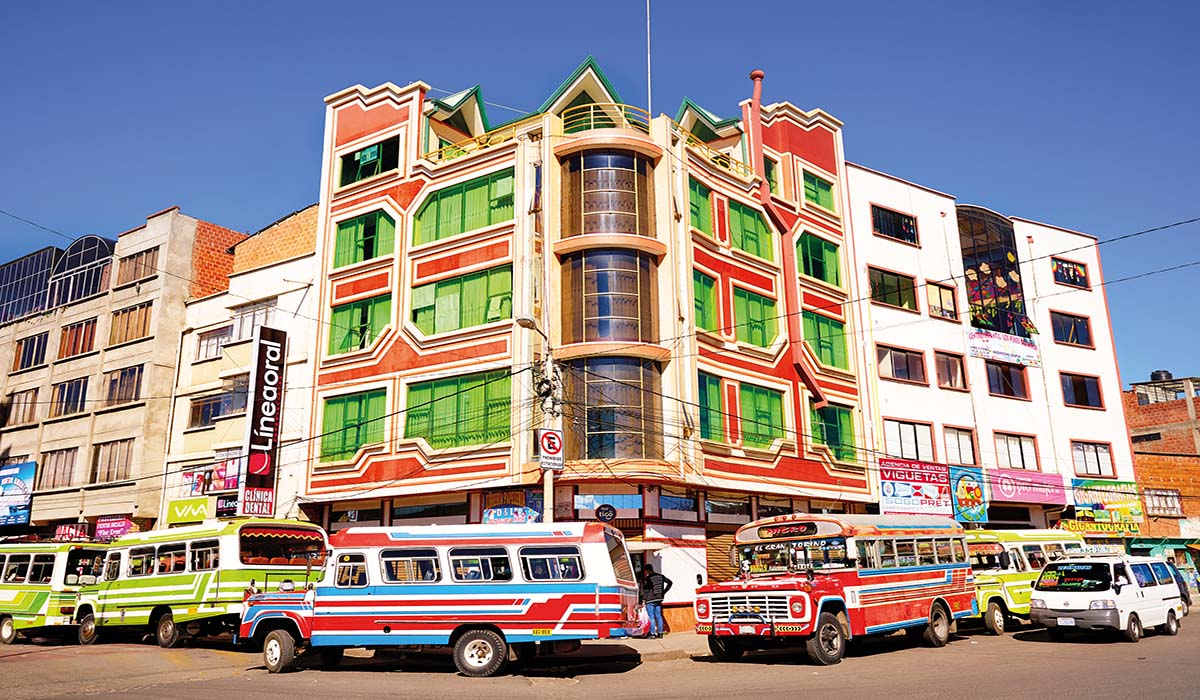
<point>1147,437</point>
<point>748,231</point>
<point>819,259</point>
<point>356,325</point>
<point>364,238</point>
<point>138,266</point>
<point>250,316</point>
<point>1006,380</point>
<point>712,412</point>
<point>960,446</point>
<point>20,407</point>
<point>1081,390</point>
<point>1092,458</point>
<point>612,409</point>
<point>705,298</point>
<point>942,302</point>
<point>1072,274</point>
<point>894,225</point>
<point>1071,330</point>
<point>610,295</point>
<point>827,339</point>
<point>607,192</point>
<point>754,318</point>
<point>111,461</point>
<point>209,343</point>
<point>771,174</point>
<point>992,274</point>
<point>370,161</point>
<point>69,397</point>
<point>232,401</point>
<point>893,289</point>
<point>818,191</point>
<point>57,469</point>
<point>475,204</point>
<point>677,503</point>
<point>130,324</point>
<point>950,373</point>
<point>473,409</point>
<point>901,365</point>
<point>13,459</point>
<point>82,271</point>
<point>77,339</point>
<point>908,440</point>
<point>762,415</point>
<point>1163,502</point>
<point>1016,451</point>
<point>122,386</point>
<point>700,205</point>
<point>833,427</point>
<point>355,420</point>
<point>463,302</point>
<point>30,352</point>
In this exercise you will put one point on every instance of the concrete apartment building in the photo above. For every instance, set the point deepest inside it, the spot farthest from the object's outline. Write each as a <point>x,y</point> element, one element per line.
<point>89,344</point>
<point>270,283</point>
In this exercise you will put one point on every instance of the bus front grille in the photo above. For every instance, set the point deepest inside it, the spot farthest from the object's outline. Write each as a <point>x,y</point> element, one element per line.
<point>769,606</point>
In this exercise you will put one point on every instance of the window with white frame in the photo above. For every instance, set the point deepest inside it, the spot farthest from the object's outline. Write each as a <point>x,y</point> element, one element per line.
<point>1016,451</point>
<point>1092,458</point>
<point>960,446</point>
<point>1163,502</point>
<point>247,318</point>
<point>908,440</point>
<point>111,461</point>
<point>209,343</point>
<point>57,469</point>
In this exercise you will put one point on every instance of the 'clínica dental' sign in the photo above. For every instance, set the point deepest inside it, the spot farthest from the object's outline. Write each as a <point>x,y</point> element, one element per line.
<point>264,420</point>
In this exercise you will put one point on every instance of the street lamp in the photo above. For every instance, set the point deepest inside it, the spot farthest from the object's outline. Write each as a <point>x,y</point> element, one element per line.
<point>531,324</point>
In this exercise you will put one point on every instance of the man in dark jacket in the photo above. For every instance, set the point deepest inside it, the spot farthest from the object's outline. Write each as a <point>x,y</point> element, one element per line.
<point>654,589</point>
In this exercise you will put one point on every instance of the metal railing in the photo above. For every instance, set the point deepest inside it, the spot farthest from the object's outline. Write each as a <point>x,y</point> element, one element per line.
<point>605,116</point>
<point>718,158</point>
<point>492,138</point>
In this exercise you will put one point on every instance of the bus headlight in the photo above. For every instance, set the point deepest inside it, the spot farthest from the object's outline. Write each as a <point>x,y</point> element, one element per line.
<point>701,608</point>
<point>1102,605</point>
<point>1037,603</point>
<point>796,607</point>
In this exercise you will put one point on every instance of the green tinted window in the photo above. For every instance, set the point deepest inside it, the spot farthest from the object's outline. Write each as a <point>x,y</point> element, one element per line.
<point>356,325</point>
<point>700,203</point>
<point>819,258</point>
<point>473,409</point>
<point>363,238</point>
<point>833,426</point>
<point>748,231</point>
<point>475,204</point>
<point>754,318</point>
<point>463,302</point>
<point>762,415</point>
<point>351,422</point>
<point>705,294</point>
<point>827,338</point>
<point>711,411</point>
<point>818,191</point>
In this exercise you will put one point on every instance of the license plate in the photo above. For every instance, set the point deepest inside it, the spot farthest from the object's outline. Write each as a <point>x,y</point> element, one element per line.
<point>1066,622</point>
<point>747,629</point>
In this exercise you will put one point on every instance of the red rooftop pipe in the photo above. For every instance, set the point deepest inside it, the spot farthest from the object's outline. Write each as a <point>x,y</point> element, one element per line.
<point>755,127</point>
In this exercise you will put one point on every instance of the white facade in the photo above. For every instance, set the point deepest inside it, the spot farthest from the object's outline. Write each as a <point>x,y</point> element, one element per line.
<point>912,415</point>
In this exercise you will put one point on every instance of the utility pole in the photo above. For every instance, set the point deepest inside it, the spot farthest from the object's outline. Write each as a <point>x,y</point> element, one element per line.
<point>548,389</point>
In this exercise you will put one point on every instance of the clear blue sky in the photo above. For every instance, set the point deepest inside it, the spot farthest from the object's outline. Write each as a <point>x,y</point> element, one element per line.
<point>1079,114</point>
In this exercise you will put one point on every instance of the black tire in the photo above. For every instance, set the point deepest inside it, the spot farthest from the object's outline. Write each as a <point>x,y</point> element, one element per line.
<point>279,651</point>
<point>725,648</point>
<point>480,653</point>
<point>827,645</point>
<point>1056,634</point>
<point>331,657</point>
<point>88,633</point>
<point>937,632</point>
<point>1133,629</point>
<point>166,632</point>
<point>8,630</point>
<point>1171,627</point>
<point>994,619</point>
<point>1187,607</point>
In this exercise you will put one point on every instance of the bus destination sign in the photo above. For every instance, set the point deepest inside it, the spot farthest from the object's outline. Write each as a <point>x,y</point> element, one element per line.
<point>770,532</point>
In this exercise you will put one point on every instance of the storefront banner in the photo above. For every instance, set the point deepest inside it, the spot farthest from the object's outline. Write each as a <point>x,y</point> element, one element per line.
<point>264,418</point>
<point>227,504</point>
<point>73,531</point>
<point>1003,347</point>
<point>110,527</point>
<point>1019,486</point>
<point>187,510</point>
<point>914,488</point>
<point>510,515</point>
<point>966,488</point>
<point>16,493</point>
<point>1104,529</point>
<point>1103,501</point>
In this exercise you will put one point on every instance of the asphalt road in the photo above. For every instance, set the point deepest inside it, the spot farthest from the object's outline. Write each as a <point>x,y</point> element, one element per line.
<point>1022,665</point>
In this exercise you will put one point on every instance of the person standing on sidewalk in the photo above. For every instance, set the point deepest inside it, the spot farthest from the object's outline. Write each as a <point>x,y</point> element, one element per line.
<point>654,589</point>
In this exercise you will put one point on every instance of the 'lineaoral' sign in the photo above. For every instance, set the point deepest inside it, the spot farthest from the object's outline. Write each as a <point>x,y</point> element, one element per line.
<point>264,418</point>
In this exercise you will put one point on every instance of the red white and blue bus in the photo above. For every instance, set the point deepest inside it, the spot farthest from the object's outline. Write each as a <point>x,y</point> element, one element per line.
<point>487,591</point>
<point>822,580</point>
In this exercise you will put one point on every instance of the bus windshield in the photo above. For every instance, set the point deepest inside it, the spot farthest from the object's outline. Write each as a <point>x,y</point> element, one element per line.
<point>271,545</point>
<point>84,567</point>
<point>989,556</point>
<point>794,555</point>
<point>1081,577</point>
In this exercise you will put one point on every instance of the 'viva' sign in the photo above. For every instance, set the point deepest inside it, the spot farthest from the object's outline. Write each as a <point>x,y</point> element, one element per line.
<point>264,419</point>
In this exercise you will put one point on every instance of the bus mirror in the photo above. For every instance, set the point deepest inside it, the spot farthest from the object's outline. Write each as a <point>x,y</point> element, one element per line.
<point>1005,560</point>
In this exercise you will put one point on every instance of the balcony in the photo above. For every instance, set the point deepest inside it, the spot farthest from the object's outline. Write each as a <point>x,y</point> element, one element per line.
<point>718,158</point>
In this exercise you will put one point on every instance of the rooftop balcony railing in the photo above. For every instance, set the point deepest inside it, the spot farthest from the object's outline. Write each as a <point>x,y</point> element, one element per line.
<point>718,158</point>
<point>495,137</point>
<point>605,116</point>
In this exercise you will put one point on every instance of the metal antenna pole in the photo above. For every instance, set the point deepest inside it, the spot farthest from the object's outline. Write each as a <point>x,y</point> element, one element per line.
<point>649,92</point>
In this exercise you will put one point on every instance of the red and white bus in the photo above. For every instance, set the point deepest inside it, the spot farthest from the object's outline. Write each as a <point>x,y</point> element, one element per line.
<point>821,580</point>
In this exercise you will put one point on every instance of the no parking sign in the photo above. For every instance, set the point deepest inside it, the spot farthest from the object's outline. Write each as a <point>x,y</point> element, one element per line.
<point>550,449</point>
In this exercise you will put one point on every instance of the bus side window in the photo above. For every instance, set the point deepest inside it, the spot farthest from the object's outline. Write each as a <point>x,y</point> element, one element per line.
<point>205,555</point>
<point>172,558</point>
<point>112,567</point>
<point>866,554</point>
<point>17,568</point>
<point>351,571</point>
<point>906,553</point>
<point>1054,551</point>
<point>960,551</point>
<point>1037,559</point>
<point>141,561</point>
<point>43,568</point>
<point>887,554</point>
<point>944,553</point>
<point>1017,559</point>
<point>551,563</point>
<point>925,555</point>
<point>410,565</point>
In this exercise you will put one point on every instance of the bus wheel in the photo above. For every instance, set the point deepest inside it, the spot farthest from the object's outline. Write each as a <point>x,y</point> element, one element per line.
<point>827,644</point>
<point>725,649</point>
<point>331,657</point>
<point>1133,630</point>
<point>993,619</point>
<point>480,653</point>
<point>937,632</point>
<point>165,631</point>
<point>88,632</point>
<point>8,630</point>
<point>279,650</point>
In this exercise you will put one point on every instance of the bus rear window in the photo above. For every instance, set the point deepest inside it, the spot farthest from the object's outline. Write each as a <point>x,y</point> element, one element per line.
<point>1081,577</point>
<point>269,545</point>
<point>619,557</point>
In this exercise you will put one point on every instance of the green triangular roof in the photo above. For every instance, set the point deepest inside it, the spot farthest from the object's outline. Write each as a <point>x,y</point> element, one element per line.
<point>711,122</point>
<point>455,102</point>
<point>588,64</point>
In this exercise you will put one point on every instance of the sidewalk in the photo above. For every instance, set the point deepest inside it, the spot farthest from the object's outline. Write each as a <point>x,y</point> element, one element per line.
<point>677,645</point>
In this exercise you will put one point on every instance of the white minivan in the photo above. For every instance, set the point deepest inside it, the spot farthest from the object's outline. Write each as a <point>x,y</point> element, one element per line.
<point>1098,592</point>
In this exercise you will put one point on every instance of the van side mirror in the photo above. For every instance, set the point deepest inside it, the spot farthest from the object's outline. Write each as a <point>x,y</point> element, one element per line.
<point>1005,560</point>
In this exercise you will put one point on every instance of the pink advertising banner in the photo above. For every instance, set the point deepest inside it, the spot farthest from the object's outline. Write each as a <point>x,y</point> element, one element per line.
<point>1018,486</point>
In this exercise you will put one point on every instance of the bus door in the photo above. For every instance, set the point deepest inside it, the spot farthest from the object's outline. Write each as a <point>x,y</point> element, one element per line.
<point>112,572</point>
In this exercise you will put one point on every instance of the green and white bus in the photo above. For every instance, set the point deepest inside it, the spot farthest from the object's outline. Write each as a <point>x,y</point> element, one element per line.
<point>38,581</point>
<point>1006,563</point>
<point>192,580</point>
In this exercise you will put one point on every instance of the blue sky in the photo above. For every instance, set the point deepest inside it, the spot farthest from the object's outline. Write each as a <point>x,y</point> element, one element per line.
<point>1079,114</point>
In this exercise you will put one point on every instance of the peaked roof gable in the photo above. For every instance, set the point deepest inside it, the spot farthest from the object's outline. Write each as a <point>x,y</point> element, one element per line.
<point>586,78</point>
<point>704,124</point>
<point>463,108</point>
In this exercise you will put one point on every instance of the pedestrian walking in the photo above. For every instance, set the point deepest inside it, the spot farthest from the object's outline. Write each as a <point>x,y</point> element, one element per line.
<point>654,589</point>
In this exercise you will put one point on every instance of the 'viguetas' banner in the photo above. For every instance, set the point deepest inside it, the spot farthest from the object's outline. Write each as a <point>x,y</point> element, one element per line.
<point>914,488</point>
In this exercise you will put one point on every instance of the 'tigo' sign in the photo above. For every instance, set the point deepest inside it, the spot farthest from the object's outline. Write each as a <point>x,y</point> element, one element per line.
<point>264,418</point>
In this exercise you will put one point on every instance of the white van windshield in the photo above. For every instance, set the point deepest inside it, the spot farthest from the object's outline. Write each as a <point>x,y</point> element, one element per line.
<point>1074,577</point>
